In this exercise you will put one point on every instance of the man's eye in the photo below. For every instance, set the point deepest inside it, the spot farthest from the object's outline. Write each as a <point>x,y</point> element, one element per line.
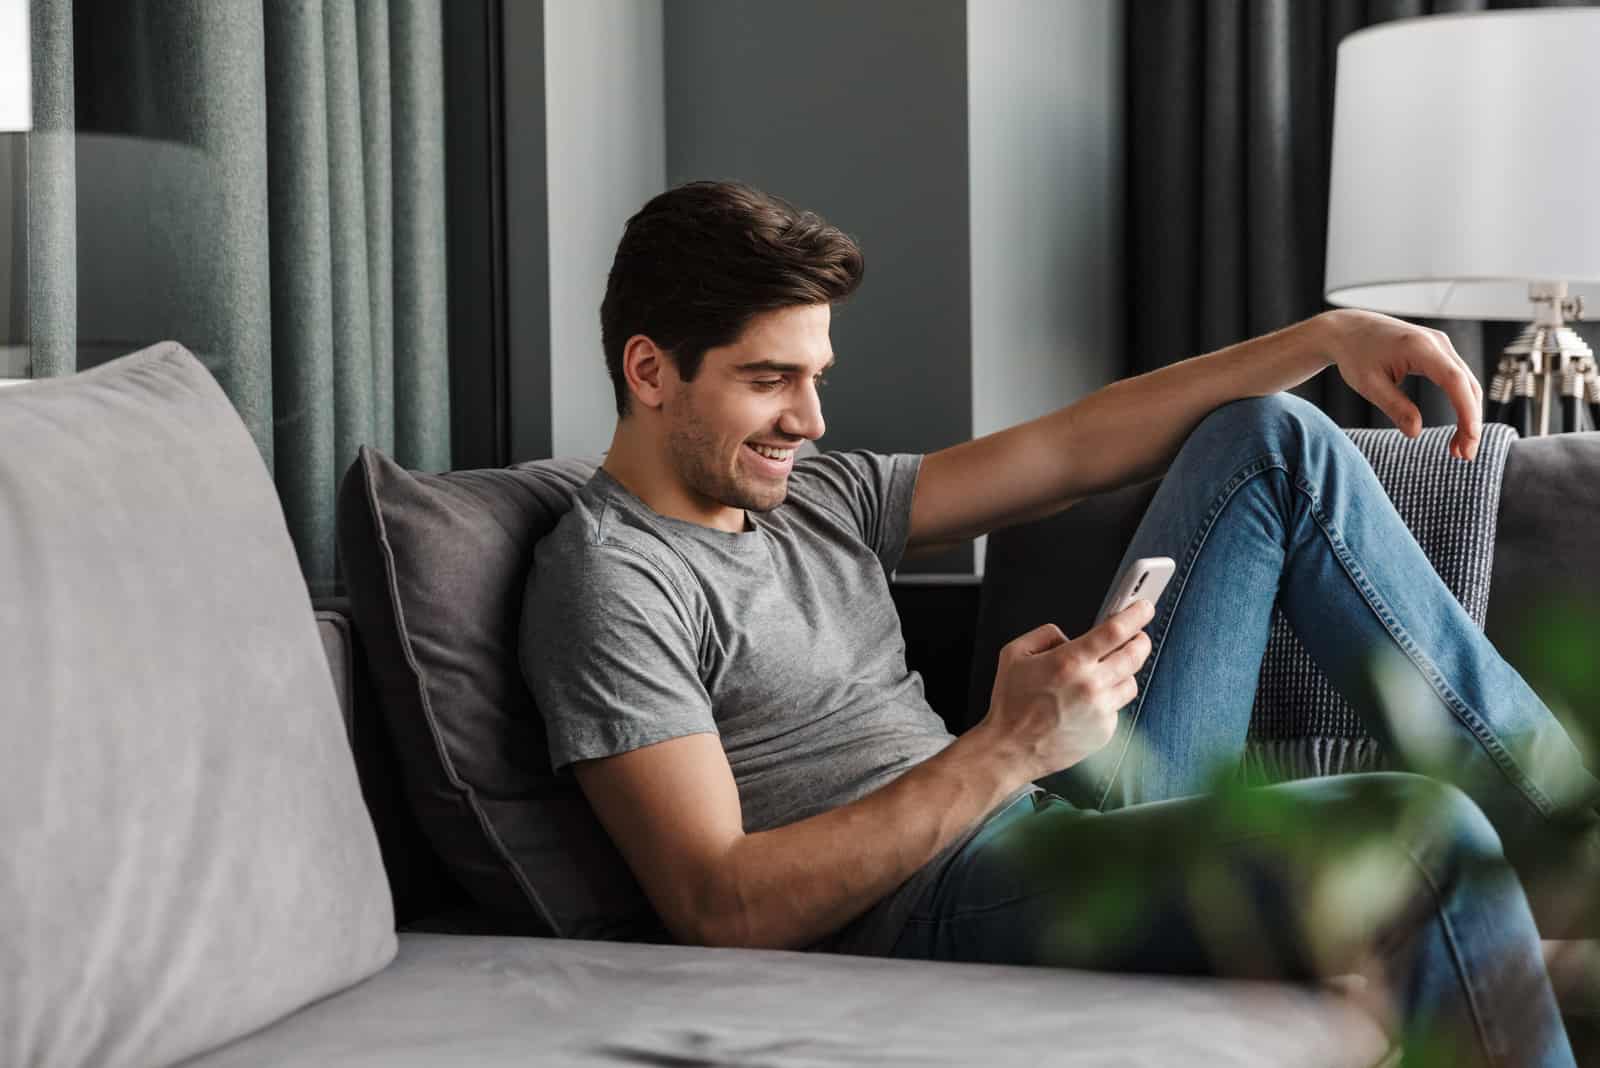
<point>767,383</point>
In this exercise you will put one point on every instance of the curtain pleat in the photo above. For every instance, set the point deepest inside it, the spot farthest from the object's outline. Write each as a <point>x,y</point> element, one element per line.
<point>304,400</point>
<point>1269,201</point>
<point>421,371</point>
<point>1230,127</point>
<point>214,96</point>
<point>1165,168</point>
<point>1222,180</point>
<point>52,195</point>
<point>347,192</point>
<point>372,28</point>
<point>290,232</point>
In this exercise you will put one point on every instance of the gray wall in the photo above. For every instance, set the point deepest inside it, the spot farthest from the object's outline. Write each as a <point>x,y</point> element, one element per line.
<point>605,156</point>
<point>1045,121</point>
<point>1044,85</point>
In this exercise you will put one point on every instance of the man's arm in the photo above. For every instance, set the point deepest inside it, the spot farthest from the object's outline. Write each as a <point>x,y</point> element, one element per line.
<point>673,808</point>
<point>1131,430</point>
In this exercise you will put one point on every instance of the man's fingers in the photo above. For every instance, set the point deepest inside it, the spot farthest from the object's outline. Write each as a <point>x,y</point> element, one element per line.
<point>1128,658</point>
<point>1393,402</point>
<point>1466,395</point>
<point>1110,635</point>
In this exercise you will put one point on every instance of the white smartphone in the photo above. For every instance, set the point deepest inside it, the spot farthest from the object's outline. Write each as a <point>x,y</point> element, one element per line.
<point>1143,580</point>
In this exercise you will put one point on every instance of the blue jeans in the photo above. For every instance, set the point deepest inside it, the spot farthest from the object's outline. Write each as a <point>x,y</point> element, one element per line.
<point>1130,864</point>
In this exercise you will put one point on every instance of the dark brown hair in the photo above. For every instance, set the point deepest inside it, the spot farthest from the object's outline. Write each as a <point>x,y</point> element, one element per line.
<point>699,261</point>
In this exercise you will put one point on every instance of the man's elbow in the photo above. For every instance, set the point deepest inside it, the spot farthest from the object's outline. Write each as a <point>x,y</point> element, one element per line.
<point>726,919</point>
<point>709,914</point>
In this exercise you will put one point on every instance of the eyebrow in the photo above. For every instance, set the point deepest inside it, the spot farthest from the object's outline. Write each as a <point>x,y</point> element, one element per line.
<point>777,366</point>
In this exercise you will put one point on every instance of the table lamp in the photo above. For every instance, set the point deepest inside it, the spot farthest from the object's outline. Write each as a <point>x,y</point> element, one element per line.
<point>1466,185</point>
<point>16,116</point>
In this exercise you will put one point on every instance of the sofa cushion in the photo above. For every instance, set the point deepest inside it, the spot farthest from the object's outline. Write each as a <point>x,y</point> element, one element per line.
<point>510,1002</point>
<point>184,854</point>
<point>435,566</point>
<point>1544,599</point>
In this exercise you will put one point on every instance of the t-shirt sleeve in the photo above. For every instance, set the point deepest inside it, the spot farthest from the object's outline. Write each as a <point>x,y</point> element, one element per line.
<point>609,646</point>
<point>872,491</point>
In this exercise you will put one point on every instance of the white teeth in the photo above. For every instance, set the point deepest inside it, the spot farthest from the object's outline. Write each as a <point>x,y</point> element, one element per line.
<point>773,454</point>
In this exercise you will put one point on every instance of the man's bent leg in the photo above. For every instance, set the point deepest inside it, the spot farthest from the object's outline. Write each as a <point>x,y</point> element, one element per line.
<point>1268,499</point>
<point>1296,881</point>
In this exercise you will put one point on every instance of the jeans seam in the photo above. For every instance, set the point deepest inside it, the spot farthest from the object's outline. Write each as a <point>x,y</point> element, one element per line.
<point>1456,957</point>
<point>1250,470</point>
<point>1380,608</point>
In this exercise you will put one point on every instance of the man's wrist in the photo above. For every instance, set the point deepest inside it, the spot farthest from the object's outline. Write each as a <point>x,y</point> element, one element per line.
<point>996,759</point>
<point>1272,363</point>
<point>1313,342</point>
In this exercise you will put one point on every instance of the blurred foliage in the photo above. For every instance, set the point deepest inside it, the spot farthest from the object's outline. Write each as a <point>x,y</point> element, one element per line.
<point>1270,883</point>
<point>1557,649</point>
<point>1273,883</point>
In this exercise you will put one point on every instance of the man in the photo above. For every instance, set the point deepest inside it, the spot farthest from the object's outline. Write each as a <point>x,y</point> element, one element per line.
<point>711,640</point>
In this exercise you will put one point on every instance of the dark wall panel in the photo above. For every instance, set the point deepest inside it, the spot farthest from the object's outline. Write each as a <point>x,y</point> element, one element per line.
<point>527,231</point>
<point>859,112</point>
<point>475,206</point>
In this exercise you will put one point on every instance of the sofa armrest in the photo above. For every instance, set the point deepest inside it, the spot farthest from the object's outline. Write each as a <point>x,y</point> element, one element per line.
<point>337,642</point>
<point>417,879</point>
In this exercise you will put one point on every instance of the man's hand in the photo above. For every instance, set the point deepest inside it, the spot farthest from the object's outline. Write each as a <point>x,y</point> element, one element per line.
<point>1374,354</point>
<point>1055,701</point>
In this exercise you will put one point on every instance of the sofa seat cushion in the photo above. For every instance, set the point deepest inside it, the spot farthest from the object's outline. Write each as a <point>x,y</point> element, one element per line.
<point>491,1001</point>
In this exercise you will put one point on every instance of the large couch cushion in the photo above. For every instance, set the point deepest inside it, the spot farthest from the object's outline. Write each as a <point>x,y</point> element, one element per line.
<point>436,566</point>
<point>511,1002</point>
<point>184,853</point>
<point>1544,602</point>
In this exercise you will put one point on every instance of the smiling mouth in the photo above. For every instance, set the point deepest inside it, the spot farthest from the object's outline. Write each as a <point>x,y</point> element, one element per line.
<point>771,452</point>
<point>774,461</point>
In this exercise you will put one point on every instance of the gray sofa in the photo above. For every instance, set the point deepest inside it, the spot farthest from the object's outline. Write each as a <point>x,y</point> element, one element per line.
<point>400,965</point>
<point>583,1001</point>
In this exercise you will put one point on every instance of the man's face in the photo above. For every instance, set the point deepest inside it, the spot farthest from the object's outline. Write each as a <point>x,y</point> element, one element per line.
<point>732,432</point>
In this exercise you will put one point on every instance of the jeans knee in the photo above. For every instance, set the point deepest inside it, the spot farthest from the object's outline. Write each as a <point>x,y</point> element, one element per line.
<point>1275,423</point>
<point>1272,411</point>
<point>1443,828</point>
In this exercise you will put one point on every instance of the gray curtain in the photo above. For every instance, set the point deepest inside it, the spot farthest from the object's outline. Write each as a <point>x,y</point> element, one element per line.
<point>1230,130</point>
<point>263,181</point>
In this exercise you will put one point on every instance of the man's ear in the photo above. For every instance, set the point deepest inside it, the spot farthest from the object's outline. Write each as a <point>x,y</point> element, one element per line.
<point>646,368</point>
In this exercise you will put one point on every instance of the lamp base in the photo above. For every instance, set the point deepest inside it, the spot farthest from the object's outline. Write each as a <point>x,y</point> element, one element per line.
<point>1546,359</point>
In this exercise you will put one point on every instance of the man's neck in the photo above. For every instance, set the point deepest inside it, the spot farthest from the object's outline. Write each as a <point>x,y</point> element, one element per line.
<point>639,462</point>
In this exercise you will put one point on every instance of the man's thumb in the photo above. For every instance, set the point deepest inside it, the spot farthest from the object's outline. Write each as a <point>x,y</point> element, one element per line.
<point>1038,640</point>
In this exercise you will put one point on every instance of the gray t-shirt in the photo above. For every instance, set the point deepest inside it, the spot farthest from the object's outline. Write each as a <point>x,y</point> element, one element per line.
<point>783,640</point>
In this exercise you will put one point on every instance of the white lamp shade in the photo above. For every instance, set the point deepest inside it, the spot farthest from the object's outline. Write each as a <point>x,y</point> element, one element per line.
<point>16,97</point>
<point>1466,164</point>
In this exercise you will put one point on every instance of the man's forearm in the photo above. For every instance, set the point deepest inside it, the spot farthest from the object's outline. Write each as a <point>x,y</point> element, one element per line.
<point>1123,433</point>
<point>1136,426</point>
<point>788,887</point>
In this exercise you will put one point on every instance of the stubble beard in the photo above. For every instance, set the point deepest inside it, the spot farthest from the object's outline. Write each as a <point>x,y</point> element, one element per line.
<point>694,454</point>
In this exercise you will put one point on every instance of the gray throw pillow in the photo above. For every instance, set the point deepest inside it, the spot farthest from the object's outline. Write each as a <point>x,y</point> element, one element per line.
<point>184,853</point>
<point>435,567</point>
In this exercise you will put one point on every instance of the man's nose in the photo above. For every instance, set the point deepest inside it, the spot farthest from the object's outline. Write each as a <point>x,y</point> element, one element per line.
<point>804,417</point>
